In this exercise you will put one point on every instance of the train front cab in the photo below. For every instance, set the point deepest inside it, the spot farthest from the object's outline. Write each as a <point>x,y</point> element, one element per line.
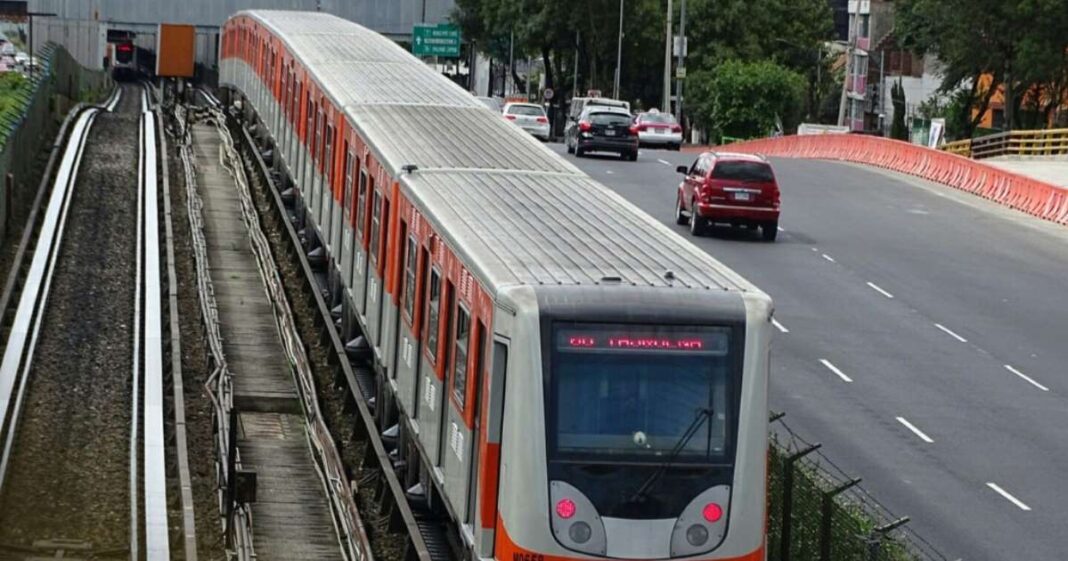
<point>593,412</point>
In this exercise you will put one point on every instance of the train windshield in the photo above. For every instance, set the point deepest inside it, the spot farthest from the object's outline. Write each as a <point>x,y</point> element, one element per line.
<point>641,393</point>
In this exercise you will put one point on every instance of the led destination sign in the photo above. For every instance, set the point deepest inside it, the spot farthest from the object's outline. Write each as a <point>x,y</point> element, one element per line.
<point>619,338</point>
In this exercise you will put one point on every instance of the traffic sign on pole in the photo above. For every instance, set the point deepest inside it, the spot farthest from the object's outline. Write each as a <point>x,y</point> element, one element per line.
<point>548,94</point>
<point>436,40</point>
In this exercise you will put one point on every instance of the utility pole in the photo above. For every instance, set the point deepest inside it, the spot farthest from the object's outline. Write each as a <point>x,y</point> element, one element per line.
<point>849,64</point>
<point>681,64</point>
<point>574,78</point>
<point>511,67</point>
<point>30,15</point>
<point>666,105</point>
<point>619,53</point>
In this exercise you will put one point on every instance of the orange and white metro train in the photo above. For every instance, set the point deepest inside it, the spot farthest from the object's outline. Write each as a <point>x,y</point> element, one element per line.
<point>568,378</point>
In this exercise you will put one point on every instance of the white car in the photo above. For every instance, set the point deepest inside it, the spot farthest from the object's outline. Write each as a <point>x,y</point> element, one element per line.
<point>530,117</point>
<point>658,129</point>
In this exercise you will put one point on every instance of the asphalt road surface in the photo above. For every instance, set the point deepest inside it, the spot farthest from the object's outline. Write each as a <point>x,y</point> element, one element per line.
<point>923,340</point>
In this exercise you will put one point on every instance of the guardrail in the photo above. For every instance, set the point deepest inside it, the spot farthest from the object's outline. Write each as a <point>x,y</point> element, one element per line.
<point>1025,194</point>
<point>1049,142</point>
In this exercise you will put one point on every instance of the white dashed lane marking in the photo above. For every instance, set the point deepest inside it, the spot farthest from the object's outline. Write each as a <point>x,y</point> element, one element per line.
<point>950,332</point>
<point>915,430</point>
<point>1027,378</point>
<point>779,326</point>
<point>997,489</point>
<point>835,369</point>
<point>876,288</point>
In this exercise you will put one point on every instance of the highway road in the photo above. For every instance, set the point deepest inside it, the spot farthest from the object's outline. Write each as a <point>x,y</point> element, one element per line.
<point>923,340</point>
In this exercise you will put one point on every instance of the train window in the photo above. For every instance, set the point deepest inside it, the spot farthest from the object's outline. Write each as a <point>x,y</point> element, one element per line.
<point>328,160</point>
<point>361,206</point>
<point>410,263</point>
<point>376,226</point>
<point>317,149</point>
<point>309,128</point>
<point>462,337</point>
<point>347,199</point>
<point>384,244</point>
<point>433,302</point>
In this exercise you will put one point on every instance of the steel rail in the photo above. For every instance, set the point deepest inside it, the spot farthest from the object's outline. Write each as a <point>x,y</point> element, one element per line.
<point>29,315</point>
<point>157,531</point>
<point>185,484</point>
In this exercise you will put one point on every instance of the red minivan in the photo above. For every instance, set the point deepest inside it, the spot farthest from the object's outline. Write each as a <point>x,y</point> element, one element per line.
<point>728,188</point>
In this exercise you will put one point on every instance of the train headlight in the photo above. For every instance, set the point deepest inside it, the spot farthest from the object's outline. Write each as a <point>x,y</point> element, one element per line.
<point>580,532</point>
<point>697,535</point>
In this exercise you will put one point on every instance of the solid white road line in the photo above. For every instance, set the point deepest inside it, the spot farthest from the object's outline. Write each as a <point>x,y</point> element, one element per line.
<point>1007,496</point>
<point>665,162</point>
<point>915,430</point>
<point>951,333</point>
<point>1026,377</point>
<point>876,288</point>
<point>779,326</point>
<point>835,369</point>
<point>828,257</point>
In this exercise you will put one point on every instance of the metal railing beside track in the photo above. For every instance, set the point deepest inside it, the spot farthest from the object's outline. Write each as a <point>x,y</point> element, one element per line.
<point>390,493</point>
<point>1032,143</point>
<point>237,520</point>
<point>328,463</point>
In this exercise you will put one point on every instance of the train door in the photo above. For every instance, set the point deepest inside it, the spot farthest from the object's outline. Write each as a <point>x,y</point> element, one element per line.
<point>318,191</point>
<point>336,204</point>
<point>461,418</point>
<point>376,267</point>
<point>326,200</point>
<point>406,366</point>
<point>304,177</point>
<point>349,179</point>
<point>359,270</point>
<point>431,368</point>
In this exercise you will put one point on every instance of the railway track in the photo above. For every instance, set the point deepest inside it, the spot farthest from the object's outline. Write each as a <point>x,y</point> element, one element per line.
<point>87,459</point>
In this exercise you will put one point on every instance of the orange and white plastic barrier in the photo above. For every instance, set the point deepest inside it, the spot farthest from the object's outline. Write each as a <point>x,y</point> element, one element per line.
<point>1016,191</point>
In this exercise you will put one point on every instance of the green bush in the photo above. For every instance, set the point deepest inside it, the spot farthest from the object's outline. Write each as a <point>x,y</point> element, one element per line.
<point>746,99</point>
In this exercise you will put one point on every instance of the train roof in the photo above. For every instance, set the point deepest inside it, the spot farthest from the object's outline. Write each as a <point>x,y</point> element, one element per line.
<point>517,212</point>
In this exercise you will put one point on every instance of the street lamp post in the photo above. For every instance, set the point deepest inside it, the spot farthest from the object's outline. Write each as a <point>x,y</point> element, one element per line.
<point>666,103</point>
<point>619,54</point>
<point>681,63</point>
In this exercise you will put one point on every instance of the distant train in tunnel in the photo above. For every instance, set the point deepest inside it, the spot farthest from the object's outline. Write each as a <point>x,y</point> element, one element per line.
<point>130,62</point>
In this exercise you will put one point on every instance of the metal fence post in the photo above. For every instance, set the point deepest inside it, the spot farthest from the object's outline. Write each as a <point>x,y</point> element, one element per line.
<point>788,497</point>
<point>875,539</point>
<point>826,513</point>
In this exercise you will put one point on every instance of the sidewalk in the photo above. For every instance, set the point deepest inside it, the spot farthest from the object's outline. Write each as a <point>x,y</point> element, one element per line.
<point>1052,170</point>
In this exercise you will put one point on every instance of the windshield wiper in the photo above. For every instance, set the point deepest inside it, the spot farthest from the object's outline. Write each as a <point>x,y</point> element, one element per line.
<point>703,414</point>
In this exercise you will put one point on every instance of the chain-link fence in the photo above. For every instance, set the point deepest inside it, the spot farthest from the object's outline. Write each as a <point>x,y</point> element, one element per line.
<point>816,512</point>
<point>57,83</point>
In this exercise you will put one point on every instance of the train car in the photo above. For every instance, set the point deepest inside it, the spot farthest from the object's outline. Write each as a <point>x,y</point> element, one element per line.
<point>563,376</point>
<point>123,60</point>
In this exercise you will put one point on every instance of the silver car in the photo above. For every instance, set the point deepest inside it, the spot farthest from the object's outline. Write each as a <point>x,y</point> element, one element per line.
<point>530,117</point>
<point>658,129</point>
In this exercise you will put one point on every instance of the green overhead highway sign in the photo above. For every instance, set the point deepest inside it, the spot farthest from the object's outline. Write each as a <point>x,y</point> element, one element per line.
<point>436,40</point>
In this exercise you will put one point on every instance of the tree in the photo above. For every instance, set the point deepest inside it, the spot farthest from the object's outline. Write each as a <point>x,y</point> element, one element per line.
<point>898,129</point>
<point>745,99</point>
<point>1015,46</point>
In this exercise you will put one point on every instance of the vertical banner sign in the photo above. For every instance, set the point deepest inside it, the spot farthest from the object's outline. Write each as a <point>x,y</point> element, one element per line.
<point>442,40</point>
